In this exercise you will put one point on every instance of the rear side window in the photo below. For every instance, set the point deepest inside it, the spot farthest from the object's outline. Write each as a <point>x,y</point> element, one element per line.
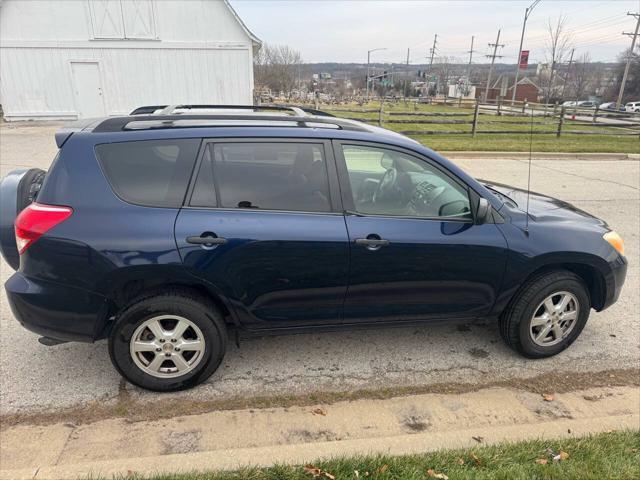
<point>257,175</point>
<point>153,173</point>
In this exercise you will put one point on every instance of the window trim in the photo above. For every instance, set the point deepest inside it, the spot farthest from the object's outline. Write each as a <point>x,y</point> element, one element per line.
<point>347,194</point>
<point>335,200</point>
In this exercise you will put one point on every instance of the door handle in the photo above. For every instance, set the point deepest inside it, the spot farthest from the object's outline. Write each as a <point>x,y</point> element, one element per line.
<point>206,240</point>
<point>372,242</point>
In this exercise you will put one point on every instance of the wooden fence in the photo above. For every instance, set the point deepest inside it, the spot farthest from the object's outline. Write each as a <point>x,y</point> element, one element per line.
<point>482,118</point>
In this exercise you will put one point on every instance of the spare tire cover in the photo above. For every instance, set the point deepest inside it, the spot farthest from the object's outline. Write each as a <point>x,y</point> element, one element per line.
<point>17,190</point>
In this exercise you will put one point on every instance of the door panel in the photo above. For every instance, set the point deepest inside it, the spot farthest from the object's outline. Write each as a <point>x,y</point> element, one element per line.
<point>429,269</point>
<point>282,252</point>
<point>415,251</point>
<point>278,269</point>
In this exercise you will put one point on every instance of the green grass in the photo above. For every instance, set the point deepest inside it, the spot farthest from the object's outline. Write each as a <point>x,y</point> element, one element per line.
<point>613,455</point>
<point>516,141</point>
<point>541,143</point>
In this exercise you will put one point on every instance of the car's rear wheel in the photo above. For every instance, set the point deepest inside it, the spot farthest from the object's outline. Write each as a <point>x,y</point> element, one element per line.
<point>168,341</point>
<point>547,315</point>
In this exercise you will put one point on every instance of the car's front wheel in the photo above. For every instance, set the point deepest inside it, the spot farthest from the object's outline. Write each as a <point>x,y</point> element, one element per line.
<point>547,315</point>
<point>168,341</point>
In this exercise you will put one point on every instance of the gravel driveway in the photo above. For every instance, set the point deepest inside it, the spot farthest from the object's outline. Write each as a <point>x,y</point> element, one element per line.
<point>34,377</point>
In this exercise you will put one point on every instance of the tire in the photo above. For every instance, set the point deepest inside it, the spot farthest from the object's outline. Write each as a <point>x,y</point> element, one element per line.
<point>522,332</point>
<point>179,308</point>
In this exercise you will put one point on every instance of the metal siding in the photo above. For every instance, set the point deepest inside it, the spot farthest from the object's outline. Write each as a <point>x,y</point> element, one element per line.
<point>208,62</point>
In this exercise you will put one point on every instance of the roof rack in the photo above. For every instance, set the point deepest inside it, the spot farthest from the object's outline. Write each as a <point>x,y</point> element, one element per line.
<point>175,109</point>
<point>163,120</point>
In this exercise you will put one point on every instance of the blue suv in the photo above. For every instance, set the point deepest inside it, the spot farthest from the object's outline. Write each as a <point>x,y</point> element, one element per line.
<point>165,229</point>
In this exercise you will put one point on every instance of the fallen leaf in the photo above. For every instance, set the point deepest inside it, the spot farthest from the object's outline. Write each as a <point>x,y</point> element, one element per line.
<point>383,468</point>
<point>433,474</point>
<point>329,476</point>
<point>478,439</point>
<point>477,461</point>
<point>319,411</point>
<point>560,456</point>
<point>548,397</point>
<point>311,470</point>
<point>542,461</point>
<point>461,461</point>
<point>356,473</point>
<point>568,430</point>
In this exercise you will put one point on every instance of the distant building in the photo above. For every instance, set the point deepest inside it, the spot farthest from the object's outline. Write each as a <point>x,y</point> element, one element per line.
<point>70,59</point>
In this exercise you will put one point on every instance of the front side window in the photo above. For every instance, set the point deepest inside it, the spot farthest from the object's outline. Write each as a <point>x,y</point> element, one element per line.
<point>151,172</point>
<point>263,175</point>
<point>387,182</point>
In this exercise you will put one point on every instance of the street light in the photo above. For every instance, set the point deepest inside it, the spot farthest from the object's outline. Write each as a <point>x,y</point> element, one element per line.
<point>368,75</point>
<point>527,12</point>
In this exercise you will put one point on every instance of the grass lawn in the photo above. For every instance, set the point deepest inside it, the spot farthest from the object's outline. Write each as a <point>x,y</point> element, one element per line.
<point>613,455</point>
<point>517,141</point>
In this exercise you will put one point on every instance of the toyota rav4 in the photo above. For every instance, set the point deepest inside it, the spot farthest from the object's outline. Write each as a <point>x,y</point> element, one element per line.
<point>164,229</point>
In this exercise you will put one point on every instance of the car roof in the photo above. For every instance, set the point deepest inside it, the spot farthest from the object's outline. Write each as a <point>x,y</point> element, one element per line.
<point>219,121</point>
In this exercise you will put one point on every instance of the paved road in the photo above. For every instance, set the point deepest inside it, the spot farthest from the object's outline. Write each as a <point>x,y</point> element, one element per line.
<point>35,377</point>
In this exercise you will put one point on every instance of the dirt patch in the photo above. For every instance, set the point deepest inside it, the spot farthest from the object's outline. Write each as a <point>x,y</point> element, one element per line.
<point>154,410</point>
<point>182,442</point>
<point>478,353</point>
<point>308,436</point>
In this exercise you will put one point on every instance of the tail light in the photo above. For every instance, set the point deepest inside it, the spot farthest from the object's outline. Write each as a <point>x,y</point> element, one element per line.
<point>35,220</point>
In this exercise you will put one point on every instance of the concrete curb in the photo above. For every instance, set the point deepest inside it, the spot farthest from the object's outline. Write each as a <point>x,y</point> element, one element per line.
<point>227,440</point>
<point>455,155</point>
<point>300,454</point>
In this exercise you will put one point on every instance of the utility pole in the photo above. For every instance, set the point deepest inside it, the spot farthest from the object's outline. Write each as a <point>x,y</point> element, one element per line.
<point>493,59</point>
<point>432,52</point>
<point>527,12</point>
<point>404,88</point>
<point>470,59</point>
<point>369,52</point>
<point>626,68</point>
<point>564,85</point>
<point>468,88</point>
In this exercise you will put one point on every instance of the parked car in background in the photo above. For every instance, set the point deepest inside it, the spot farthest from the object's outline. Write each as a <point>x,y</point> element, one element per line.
<point>587,104</point>
<point>569,103</point>
<point>612,107</point>
<point>162,232</point>
<point>632,107</point>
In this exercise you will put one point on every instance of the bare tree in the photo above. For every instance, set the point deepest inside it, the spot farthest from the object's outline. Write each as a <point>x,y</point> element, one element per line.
<point>582,76</point>
<point>277,67</point>
<point>557,46</point>
<point>443,71</point>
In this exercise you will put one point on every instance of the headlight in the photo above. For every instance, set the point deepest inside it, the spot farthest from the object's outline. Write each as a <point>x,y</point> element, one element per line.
<point>615,241</point>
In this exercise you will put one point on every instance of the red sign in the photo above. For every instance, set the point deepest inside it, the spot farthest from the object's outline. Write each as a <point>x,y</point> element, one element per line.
<point>524,59</point>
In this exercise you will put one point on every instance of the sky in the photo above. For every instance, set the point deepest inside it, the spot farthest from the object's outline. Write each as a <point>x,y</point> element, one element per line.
<point>343,30</point>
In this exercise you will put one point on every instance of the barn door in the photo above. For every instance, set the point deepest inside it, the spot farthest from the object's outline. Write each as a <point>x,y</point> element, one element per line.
<point>87,89</point>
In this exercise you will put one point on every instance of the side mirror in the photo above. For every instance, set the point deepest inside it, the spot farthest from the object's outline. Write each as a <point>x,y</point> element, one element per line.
<point>483,212</point>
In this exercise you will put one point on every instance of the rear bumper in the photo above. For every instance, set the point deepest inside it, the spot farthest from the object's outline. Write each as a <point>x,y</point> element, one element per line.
<point>615,280</point>
<point>56,311</point>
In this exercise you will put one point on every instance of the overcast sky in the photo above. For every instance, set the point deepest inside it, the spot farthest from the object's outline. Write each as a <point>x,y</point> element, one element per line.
<point>343,31</point>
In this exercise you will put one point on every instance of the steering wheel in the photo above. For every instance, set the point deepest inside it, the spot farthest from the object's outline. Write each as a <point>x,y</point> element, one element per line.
<point>385,187</point>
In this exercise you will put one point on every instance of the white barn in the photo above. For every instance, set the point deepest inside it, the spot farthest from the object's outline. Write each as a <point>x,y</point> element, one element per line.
<point>69,59</point>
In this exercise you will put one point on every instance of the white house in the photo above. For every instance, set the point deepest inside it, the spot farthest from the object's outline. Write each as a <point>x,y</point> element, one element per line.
<point>68,59</point>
